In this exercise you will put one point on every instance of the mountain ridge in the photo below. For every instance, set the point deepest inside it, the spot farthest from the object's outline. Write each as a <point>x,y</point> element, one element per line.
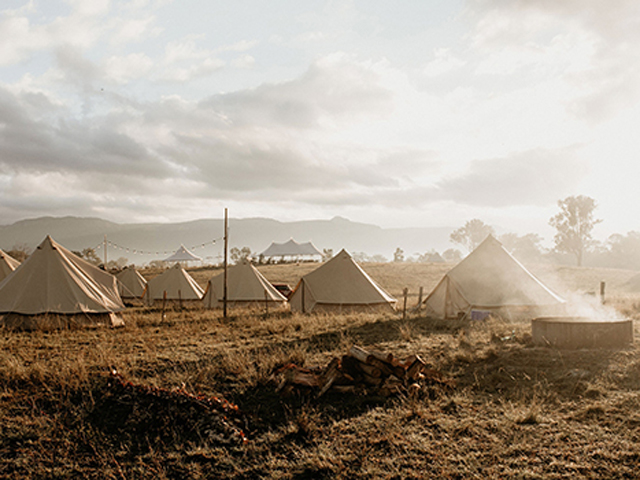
<point>257,233</point>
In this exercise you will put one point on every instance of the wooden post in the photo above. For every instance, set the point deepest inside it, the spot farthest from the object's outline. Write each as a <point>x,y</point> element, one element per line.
<point>302,287</point>
<point>105,252</point>
<point>420,299</point>
<point>180,299</point>
<point>226,250</point>
<point>602,285</point>
<point>164,302</point>
<point>405,290</point>
<point>266,304</point>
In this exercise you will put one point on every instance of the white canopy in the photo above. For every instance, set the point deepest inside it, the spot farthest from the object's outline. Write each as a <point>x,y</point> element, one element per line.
<point>291,249</point>
<point>183,255</point>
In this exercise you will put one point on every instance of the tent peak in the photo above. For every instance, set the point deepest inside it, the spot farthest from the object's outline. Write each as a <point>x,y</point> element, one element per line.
<point>48,242</point>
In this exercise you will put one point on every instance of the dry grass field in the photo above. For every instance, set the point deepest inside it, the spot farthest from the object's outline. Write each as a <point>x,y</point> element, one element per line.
<point>516,411</point>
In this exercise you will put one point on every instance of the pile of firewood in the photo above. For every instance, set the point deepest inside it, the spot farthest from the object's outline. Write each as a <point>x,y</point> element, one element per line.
<point>360,371</point>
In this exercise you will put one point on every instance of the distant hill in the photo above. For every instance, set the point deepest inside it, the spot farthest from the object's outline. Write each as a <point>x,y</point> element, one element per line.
<point>156,239</point>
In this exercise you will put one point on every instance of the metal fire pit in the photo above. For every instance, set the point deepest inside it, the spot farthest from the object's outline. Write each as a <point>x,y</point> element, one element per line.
<point>581,332</point>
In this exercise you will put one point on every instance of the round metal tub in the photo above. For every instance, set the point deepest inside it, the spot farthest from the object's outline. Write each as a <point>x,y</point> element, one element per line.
<point>581,332</point>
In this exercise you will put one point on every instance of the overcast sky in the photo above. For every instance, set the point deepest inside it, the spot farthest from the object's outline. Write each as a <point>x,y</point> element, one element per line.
<point>398,113</point>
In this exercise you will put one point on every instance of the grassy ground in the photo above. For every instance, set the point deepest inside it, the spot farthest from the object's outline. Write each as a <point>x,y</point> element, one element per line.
<point>517,411</point>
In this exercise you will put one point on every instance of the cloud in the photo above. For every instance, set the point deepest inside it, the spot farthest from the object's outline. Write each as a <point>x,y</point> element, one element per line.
<point>241,46</point>
<point>76,69</point>
<point>332,88</point>
<point>444,62</point>
<point>236,146</point>
<point>130,30</point>
<point>535,177</point>
<point>18,38</point>
<point>32,144</point>
<point>87,24</point>
<point>611,24</point>
<point>184,60</point>
<point>244,61</point>
<point>589,44</point>
<point>123,69</point>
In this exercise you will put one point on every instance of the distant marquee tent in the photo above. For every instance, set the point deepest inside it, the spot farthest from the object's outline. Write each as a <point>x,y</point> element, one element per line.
<point>291,249</point>
<point>183,255</point>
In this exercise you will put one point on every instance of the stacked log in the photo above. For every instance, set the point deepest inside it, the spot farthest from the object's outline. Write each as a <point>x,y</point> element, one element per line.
<point>361,371</point>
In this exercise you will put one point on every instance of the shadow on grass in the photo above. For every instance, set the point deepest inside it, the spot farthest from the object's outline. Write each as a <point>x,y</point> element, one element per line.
<point>372,333</point>
<point>514,371</point>
<point>267,410</point>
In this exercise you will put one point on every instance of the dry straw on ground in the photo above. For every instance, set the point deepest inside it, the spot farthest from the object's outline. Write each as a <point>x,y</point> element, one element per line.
<point>517,410</point>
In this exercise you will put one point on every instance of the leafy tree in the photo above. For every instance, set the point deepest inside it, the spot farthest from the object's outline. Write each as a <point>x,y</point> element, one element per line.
<point>574,224</point>
<point>327,254</point>
<point>431,256</point>
<point>527,248</point>
<point>89,254</point>
<point>238,254</point>
<point>360,257</point>
<point>398,255</point>
<point>472,234</point>
<point>623,251</point>
<point>117,264</point>
<point>452,255</point>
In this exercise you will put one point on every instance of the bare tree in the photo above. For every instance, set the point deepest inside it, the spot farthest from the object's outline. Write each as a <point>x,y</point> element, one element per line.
<point>574,224</point>
<point>20,252</point>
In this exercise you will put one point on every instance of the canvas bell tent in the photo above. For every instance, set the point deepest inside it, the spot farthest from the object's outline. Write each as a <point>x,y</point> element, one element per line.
<point>489,279</point>
<point>339,285</point>
<point>246,287</point>
<point>176,284</point>
<point>55,288</point>
<point>131,284</point>
<point>7,264</point>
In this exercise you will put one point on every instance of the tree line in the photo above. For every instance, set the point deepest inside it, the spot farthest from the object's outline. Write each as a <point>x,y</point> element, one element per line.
<point>574,225</point>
